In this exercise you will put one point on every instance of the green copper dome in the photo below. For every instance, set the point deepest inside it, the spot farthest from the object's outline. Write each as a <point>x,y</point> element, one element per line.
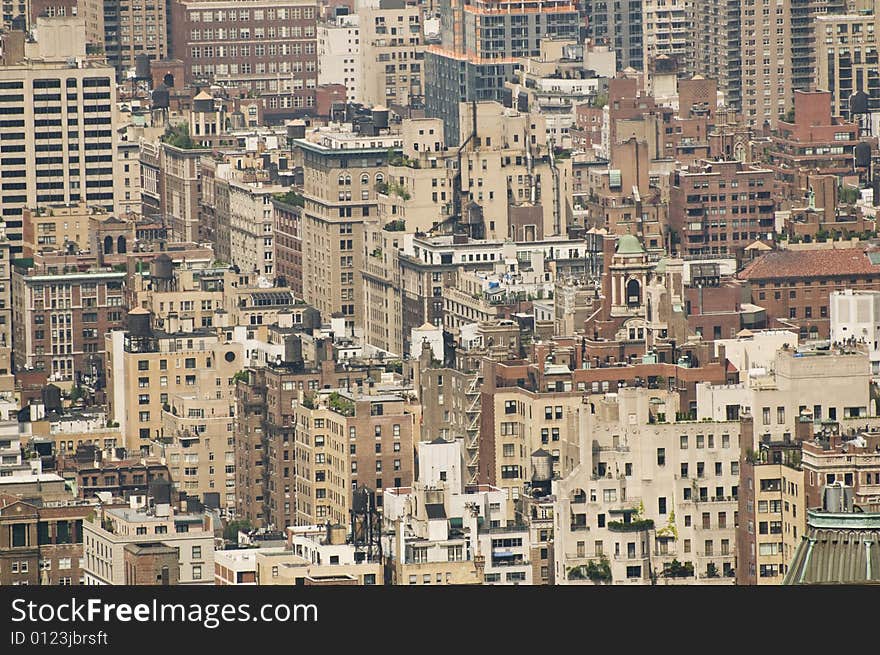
<point>629,245</point>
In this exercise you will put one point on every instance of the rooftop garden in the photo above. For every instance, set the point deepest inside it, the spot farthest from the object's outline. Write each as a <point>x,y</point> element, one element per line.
<point>399,159</point>
<point>562,153</point>
<point>398,225</point>
<point>340,405</point>
<point>632,526</point>
<point>392,188</point>
<point>632,520</point>
<point>848,195</point>
<point>291,198</point>
<point>178,136</point>
<point>600,100</point>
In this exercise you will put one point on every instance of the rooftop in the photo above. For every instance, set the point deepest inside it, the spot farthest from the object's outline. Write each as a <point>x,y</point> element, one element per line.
<point>839,548</point>
<point>140,516</point>
<point>783,264</point>
<point>629,245</point>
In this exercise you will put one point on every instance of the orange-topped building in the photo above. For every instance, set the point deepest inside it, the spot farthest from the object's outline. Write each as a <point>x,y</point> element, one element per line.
<point>480,43</point>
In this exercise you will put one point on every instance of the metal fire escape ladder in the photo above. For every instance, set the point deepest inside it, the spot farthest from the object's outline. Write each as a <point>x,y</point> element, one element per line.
<point>472,439</point>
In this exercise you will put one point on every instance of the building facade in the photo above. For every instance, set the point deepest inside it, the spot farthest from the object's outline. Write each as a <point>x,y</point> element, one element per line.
<point>268,47</point>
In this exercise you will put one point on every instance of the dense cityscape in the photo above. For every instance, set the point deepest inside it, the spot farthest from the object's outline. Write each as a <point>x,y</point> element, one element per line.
<point>439,292</point>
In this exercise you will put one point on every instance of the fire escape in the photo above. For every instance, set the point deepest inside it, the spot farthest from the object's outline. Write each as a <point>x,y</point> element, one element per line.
<point>472,439</point>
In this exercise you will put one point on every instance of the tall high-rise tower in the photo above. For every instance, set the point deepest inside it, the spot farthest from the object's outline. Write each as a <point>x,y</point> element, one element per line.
<point>481,41</point>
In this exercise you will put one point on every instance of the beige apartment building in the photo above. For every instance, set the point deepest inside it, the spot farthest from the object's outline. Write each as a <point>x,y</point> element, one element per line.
<point>128,172</point>
<point>58,136</point>
<point>108,533</point>
<point>197,444</point>
<point>251,222</point>
<point>5,302</point>
<point>348,440</point>
<point>392,54</point>
<point>666,31</point>
<point>846,57</point>
<point>341,170</point>
<point>517,423</point>
<point>323,470</point>
<point>418,194</point>
<point>520,190</point>
<point>149,371</point>
<point>654,499</point>
<point>383,315</point>
<point>804,382</point>
<point>772,512</point>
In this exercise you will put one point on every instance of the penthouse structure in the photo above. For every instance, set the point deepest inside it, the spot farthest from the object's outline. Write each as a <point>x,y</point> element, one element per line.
<point>720,207</point>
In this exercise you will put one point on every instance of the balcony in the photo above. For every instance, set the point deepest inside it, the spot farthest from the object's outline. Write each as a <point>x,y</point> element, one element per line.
<point>508,563</point>
<point>632,526</point>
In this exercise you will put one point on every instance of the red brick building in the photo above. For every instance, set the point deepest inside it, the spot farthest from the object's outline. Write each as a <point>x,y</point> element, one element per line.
<point>268,46</point>
<point>40,545</point>
<point>814,141</point>
<point>288,243</point>
<point>720,310</point>
<point>60,318</point>
<point>587,129</point>
<point>325,96</point>
<point>720,207</point>
<point>265,433</point>
<point>794,285</point>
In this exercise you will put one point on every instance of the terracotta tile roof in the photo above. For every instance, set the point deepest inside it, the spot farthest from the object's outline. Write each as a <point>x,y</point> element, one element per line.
<point>809,263</point>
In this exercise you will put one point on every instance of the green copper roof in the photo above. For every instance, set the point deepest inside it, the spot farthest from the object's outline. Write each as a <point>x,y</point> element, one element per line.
<point>629,245</point>
<point>838,548</point>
